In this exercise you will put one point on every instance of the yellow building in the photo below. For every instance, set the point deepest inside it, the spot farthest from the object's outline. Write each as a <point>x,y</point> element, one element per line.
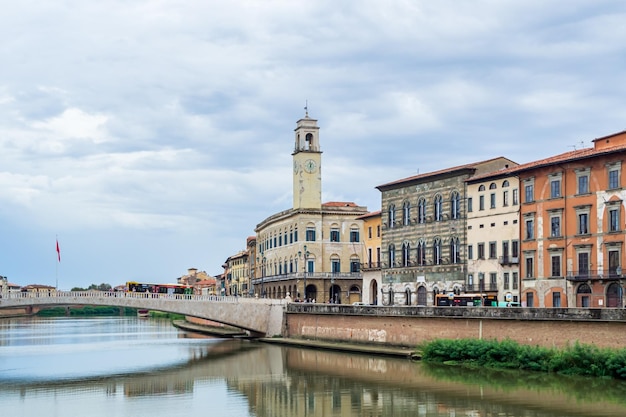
<point>372,240</point>
<point>312,251</point>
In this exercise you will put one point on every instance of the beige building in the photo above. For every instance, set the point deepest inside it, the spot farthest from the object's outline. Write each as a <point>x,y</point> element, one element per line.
<point>312,251</point>
<point>237,274</point>
<point>372,239</point>
<point>493,243</point>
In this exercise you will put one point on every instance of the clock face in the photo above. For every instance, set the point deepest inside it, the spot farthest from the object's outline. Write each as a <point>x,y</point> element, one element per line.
<point>310,165</point>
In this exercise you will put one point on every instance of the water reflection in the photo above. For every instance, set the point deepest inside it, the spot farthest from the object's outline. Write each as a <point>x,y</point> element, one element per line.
<point>239,378</point>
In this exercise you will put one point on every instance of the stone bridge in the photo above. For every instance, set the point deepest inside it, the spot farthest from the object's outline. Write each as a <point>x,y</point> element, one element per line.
<point>260,317</point>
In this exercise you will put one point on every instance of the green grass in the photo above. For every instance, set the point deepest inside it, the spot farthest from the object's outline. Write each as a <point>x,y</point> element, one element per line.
<point>577,359</point>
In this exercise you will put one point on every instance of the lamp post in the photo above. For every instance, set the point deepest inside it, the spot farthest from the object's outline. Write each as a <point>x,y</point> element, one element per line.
<point>304,267</point>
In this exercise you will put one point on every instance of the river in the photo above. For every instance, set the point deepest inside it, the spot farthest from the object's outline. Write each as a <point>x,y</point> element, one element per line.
<point>133,367</point>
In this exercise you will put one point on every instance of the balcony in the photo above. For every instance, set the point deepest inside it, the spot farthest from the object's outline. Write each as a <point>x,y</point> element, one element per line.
<point>596,275</point>
<point>489,286</point>
<point>508,260</point>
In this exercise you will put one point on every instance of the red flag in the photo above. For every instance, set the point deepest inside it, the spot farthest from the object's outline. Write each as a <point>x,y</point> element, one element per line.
<point>58,251</point>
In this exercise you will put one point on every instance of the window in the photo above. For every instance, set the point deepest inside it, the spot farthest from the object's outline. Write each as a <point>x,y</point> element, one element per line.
<point>334,235</point>
<point>481,251</point>
<point>437,252</point>
<point>406,213</point>
<point>583,184</point>
<point>455,256</point>
<point>392,215</point>
<point>455,206</point>
<point>355,265</point>
<point>421,210</point>
<point>470,252</point>
<point>515,248</point>
<point>530,229</point>
<point>506,280</point>
<point>493,279</point>
<point>556,299</point>
<point>555,188</point>
<point>515,197</point>
<point>378,231</point>
<point>310,234</point>
<point>515,277</point>
<point>438,208</point>
<point>492,200</point>
<point>369,232</point>
<point>354,235</point>
<point>392,256</point>
<point>613,178</point>
<point>530,267</point>
<point>583,223</point>
<point>421,253</point>
<point>406,254</point>
<point>529,193</point>
<point>555,261</point>
<point>505,198</point>
<point>492,250</point>
<point>555,226</point>
<point>505,183</point>
<point>614,219</point>
<point>481,202</point>
<point>583,264</point>
<point>493,186</point>
<point>469,204</point>
<point>505,249</point>
<point>481,188</point>
<point>335,265</point>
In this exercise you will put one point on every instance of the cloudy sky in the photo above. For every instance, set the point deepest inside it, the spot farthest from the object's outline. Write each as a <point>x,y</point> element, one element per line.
<point>150,136</point>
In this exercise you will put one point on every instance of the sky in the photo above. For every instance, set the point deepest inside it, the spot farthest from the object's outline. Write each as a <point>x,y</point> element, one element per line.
<point>152,136</point>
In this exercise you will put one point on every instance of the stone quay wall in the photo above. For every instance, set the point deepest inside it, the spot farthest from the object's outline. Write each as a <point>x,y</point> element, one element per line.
<point>410,326</point>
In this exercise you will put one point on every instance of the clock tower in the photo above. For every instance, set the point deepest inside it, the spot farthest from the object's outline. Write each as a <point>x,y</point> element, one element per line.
<point>307,167</point>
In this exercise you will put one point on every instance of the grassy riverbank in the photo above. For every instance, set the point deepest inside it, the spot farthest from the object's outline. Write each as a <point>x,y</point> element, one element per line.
<point>579,359</point>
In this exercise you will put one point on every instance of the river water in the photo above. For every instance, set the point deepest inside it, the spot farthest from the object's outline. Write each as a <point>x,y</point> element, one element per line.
<point>131,367</point>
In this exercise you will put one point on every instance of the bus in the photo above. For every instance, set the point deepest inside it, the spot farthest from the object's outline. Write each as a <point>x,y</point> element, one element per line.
<point>473,300</point>
<point>132,286</point>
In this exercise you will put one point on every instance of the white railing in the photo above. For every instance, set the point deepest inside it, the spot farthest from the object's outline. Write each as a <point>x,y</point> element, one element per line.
<point>115,294</point>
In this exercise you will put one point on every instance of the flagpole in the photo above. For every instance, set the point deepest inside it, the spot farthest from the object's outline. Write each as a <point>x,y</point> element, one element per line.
<point>57,264</point>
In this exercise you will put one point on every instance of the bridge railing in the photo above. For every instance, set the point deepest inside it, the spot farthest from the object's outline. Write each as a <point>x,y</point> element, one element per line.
<point>117,294</point>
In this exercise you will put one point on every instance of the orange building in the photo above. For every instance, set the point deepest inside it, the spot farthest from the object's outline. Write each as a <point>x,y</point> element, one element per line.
<point>572,227</point>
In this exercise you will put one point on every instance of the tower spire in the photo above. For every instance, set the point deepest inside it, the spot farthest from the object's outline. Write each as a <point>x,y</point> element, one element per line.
<point>306,108</point>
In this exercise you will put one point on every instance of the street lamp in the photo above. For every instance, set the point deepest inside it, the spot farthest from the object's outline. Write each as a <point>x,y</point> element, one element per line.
<point>304,267</point>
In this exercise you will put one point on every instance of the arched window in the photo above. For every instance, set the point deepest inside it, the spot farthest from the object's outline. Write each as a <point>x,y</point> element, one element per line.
<point>438,208</point>
<point>421,210</point>
<point>481,188</point>
<point>437,251</point>
<point>392,255</point>
<point>455,205</point>
<point>455,255</point>
<point>406,253</point>
<point>421,253</point>
<point>505,183</point>
<point>392,215</point>
<point>493,186</point>
<point>406,213</point>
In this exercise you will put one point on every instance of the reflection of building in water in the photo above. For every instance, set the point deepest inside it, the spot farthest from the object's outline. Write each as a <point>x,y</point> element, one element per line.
<point>158,386</point>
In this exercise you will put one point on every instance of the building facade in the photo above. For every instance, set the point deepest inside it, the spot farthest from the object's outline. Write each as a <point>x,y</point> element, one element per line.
<point>312,251</point>
<point>424,241</point>
<point>572,227</point>
<point>493,244</point>
<point>372,239</point>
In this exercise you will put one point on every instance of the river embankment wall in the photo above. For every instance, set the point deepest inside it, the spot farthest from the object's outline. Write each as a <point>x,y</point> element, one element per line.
<point>410,326</point>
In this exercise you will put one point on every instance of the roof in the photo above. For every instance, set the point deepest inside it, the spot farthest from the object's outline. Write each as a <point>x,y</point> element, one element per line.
<point>339,204</point>
<point>460,168</point>
<point>370,214</point>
